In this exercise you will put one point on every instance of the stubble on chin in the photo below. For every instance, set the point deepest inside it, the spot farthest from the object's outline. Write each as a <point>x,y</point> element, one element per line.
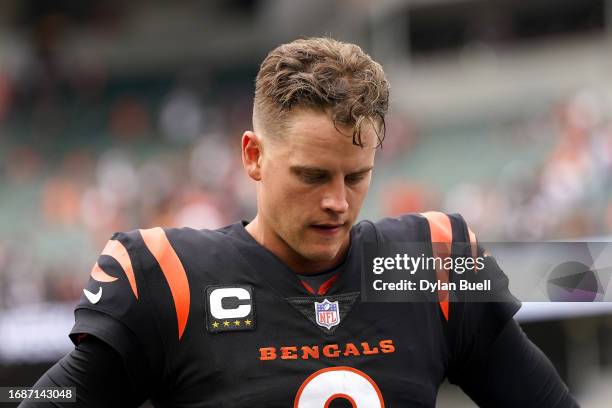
<point>319,253</point>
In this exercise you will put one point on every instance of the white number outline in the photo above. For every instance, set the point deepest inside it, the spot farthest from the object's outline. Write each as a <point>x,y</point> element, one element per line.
<point>333,395</point>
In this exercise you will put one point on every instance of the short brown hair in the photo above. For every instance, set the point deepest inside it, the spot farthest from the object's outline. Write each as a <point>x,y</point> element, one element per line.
<point>323,74</point>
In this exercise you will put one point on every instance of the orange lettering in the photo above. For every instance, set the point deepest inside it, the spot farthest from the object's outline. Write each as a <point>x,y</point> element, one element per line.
<point>310,352</point>
<point>289,353</point>
<point>387,346</point>
<point>328,353</point>
<point>350,350</point>
<point>367,350</point>
<point>306,352</point>
<point>267,353</point>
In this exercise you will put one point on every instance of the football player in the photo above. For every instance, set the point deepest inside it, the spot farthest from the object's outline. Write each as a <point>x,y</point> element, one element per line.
<point>269,313</point>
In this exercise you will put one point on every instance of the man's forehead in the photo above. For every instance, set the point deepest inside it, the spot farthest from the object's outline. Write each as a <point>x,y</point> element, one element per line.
<point>330,161</point>
<point>311,126</point>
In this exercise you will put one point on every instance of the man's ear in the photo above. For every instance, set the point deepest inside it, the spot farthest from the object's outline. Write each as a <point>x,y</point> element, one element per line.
<point>252,151</point>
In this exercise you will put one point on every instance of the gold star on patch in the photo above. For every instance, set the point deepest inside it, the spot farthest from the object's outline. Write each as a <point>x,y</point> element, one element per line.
<point>247,322</point>
<point>236,322</point>
<point>215,324</point>
<point>226,323</point>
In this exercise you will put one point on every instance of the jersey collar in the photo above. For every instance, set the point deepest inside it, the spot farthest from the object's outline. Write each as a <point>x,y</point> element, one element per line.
<point>282,278</point>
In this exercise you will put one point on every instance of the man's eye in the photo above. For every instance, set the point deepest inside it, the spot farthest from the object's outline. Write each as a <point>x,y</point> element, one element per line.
<point>354,179</point>
<point>312,178</point>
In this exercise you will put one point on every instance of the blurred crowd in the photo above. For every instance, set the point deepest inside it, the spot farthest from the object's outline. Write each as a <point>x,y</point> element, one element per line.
<point>78,164</point>
<point>552,176</point>
<point>566,194</point>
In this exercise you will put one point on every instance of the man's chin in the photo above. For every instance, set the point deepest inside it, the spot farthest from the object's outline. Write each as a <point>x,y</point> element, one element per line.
<point>326,254</point>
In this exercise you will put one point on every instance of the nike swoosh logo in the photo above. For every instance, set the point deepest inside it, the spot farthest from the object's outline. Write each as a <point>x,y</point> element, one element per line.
<point>93,298</point>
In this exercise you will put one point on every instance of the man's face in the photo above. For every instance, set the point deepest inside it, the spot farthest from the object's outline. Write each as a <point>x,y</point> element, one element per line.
<point>313,183</point>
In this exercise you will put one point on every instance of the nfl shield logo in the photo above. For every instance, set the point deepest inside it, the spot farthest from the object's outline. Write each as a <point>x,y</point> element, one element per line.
<point>328,313</point>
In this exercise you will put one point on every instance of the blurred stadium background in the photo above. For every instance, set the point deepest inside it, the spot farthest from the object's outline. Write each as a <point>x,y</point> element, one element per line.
<point>120,115</point>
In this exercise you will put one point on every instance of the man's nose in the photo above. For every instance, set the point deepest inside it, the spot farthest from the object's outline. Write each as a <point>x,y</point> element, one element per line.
<point>335,198</point>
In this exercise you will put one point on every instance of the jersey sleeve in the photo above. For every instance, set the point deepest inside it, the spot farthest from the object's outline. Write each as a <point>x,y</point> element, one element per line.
<point>511,371</point>
<point>473,321</point>
<point>115,307</point>
<point>474,326</point>
<point>449,235</point>
<point>491,358</point>
<point>99,374</point>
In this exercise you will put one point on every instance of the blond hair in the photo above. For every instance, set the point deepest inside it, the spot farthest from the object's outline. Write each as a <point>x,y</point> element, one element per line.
<point>322,74</point>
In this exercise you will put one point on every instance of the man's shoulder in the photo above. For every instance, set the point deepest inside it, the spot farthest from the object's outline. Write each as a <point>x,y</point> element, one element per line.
<point>147,274</point>
<point>433,226</point>
<point>170,255</point>
<point>402,227</point>
<point>156,239</point>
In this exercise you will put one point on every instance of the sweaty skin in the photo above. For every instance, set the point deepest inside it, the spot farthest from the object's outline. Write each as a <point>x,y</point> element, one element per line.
<point>311,183</point>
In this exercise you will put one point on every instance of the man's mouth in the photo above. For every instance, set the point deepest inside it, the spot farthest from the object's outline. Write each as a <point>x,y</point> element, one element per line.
<point>328,228</point>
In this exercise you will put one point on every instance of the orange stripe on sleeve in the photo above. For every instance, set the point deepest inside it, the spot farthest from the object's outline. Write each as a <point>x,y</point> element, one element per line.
<point>116,250</point>
<point>157,242</point>
<point>442,235</point>
<point>99,275</point>
<point>440,227</point>
<point>473,246</point>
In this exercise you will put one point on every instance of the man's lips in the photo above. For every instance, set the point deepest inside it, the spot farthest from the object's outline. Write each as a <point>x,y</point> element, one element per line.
<point>328,228</point>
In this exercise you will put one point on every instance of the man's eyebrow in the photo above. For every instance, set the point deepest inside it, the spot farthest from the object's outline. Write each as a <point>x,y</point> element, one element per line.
<point>309,169</point>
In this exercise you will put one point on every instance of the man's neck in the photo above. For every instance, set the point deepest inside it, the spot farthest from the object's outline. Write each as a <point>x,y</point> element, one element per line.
<point>297,263</point>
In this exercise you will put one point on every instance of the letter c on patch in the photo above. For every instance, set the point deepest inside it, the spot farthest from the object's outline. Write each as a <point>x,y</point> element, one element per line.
<point>216,303</point>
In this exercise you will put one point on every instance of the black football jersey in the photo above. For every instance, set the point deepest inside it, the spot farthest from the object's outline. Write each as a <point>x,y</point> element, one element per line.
<point>214,319</point>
